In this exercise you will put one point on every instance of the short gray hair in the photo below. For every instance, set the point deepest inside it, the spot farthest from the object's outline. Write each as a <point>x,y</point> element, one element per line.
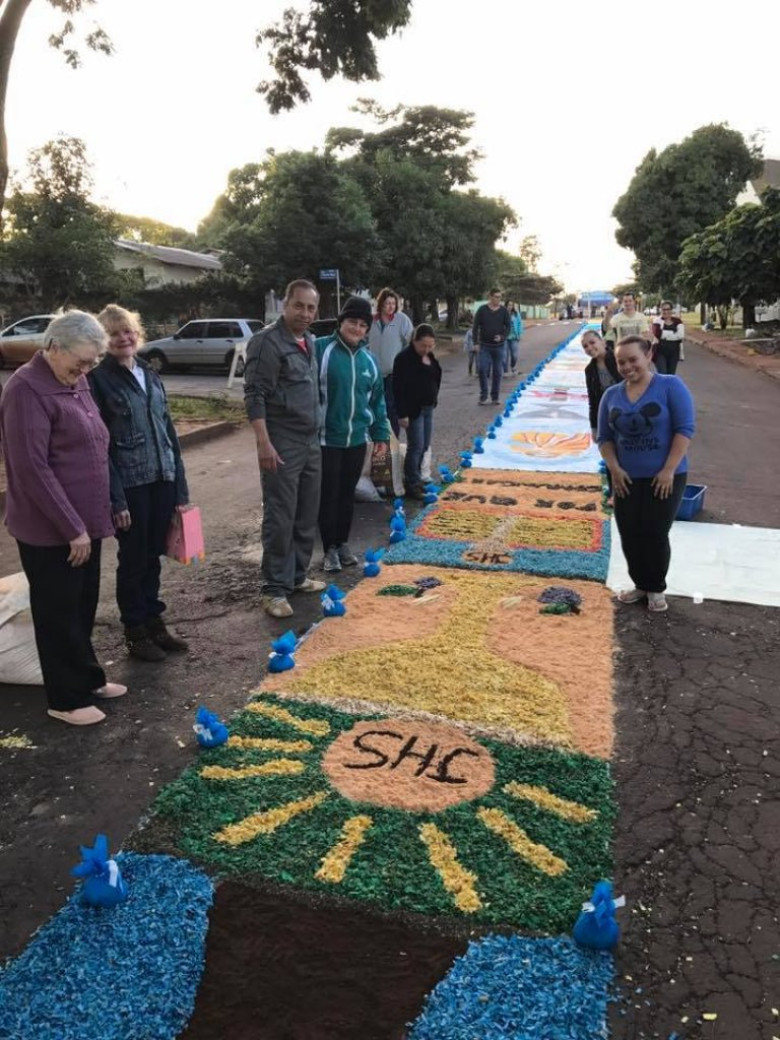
<point>73,329</point>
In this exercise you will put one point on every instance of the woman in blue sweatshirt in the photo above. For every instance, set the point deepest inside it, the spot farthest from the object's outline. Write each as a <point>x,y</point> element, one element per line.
<point>645,426</point>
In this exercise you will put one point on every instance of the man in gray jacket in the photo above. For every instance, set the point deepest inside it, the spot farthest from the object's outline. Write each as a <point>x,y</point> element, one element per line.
<point>281,393</point>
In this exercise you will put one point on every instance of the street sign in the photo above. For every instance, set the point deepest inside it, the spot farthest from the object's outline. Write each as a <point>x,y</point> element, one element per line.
<point>329,274</point>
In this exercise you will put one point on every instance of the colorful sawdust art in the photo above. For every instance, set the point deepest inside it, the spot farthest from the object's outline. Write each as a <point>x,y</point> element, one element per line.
<point>406,814</point>
<point>479,653</point>
<point>540,523</point>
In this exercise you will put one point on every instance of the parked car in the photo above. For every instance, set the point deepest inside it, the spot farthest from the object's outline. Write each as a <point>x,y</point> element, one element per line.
<point>207,341</point>
<point>21,340</point>
<point>323,327</point>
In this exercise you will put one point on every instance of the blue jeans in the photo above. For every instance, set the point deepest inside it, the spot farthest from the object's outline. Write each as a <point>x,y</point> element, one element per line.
<point>418,440</point>
<point>491,362</point>
<point>510,358</point>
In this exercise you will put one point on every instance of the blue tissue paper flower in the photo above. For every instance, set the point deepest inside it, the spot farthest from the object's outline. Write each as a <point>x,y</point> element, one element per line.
<point>478,449</point>
<point>104,885</point>
<point>597,927</point>
<point>498,421</point>
<point>397,529</point>
<point>465,459</point>
<point>447,476</point>
<point>372,565</point>
<point>332,600</point>
<point>281,660</point>
<point>209,731</point>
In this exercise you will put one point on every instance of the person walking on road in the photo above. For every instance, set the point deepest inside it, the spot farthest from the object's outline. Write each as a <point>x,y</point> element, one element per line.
<point>491,329</point>
<point>148,484</point>
<point>645,426</point>
<point>281,394</point>
<point>58,508</point>
<point>416,382</point>
<point>669,331</point>
<point>353,405</point>
<point>627,322</point>
<point>513,339</point>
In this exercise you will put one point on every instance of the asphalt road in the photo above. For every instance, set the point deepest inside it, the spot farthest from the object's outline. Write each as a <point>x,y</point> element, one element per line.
<point>697,842</point>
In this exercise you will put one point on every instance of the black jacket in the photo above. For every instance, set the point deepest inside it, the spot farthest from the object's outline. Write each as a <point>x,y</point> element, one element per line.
<point>593,383</point>
<point>415,385</point>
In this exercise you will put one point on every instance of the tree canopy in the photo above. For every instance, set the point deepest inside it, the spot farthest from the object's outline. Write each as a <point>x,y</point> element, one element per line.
<point>59,243</point>
<point>333,37</point>
<point>737,258</point>
<point>677,193</point>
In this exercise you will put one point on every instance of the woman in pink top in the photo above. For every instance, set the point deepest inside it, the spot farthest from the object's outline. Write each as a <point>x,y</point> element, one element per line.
<point>58,508</point>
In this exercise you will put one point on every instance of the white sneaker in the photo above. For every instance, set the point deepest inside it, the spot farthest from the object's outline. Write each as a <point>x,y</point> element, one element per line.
<point>310,585</point>
<point>276,606</point>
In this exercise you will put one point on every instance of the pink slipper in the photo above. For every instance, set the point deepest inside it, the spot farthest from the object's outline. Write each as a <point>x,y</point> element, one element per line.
<point>79,716</point>
<point>111,689</point>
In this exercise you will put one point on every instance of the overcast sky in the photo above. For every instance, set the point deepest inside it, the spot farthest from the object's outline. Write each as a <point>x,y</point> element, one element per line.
<point>568,98</point>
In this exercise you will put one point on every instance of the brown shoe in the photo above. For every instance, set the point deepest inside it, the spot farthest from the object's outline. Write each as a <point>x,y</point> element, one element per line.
<point>141,645</point>
<point>163,637</point>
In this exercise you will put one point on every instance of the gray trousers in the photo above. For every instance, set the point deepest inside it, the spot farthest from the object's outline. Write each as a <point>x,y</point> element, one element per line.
<point>291,501</point>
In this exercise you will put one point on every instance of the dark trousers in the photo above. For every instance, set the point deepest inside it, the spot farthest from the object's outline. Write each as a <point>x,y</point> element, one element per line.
<point>667,357</point>
<point>140,548</point>
<point>418,441</point>
<point>491,363</point>
<point>291,498</point>
<point>341,469</point>
<point>644,522</point>
<point>392,412</point>
<point>63,603</point>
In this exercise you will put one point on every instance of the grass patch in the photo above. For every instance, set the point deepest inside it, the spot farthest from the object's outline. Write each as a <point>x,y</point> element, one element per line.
<point>213,409</point>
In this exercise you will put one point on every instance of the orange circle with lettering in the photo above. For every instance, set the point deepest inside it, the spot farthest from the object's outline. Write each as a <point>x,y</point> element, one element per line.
<point>408,764</point>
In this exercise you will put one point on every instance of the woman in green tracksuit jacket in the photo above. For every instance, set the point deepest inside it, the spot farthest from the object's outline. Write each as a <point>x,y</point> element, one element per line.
<point>353,413</point>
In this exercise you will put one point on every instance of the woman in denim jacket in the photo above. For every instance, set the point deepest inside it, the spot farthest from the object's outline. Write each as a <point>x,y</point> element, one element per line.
<point>147,480</point>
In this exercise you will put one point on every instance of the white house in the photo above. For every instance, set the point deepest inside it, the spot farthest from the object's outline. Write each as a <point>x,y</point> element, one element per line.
<point>163,265</point>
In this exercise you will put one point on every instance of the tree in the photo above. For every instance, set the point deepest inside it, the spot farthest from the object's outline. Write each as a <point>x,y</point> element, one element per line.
<point>677,193</point>
<point>436,139</point>
<point>335,37</point>
<point>290,216</point>
<point>59,243</point>
<point>12,14</point>
<point>155,232</point>
<point>738,258</point>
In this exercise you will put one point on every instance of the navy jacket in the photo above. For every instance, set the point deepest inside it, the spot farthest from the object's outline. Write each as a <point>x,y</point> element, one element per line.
<point>144,447</point>
<point>415,385</point>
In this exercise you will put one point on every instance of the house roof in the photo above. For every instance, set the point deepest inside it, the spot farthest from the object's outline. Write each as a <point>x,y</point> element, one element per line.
<point>769,176</point>
<point>169,255</point>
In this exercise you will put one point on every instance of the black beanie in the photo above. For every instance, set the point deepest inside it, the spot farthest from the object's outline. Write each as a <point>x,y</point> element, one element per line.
<point>356,307</point>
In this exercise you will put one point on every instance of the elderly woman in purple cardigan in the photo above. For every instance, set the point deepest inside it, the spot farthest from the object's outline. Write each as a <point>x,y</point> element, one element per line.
<point>58,508</point>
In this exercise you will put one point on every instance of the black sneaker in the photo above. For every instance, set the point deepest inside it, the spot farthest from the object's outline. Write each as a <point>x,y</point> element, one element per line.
<point>141,645</point>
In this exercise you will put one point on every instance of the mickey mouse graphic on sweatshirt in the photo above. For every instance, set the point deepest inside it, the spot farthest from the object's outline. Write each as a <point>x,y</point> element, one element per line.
<point>643,430</point>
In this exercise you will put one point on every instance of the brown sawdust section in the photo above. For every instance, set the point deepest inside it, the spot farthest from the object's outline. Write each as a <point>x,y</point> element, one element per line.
<point>303,972</point>
<point>462,770</point>
<point>575,652</point>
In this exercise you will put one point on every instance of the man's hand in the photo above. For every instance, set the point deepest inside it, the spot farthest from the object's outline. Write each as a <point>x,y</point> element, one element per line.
<point>268,457</point>
<point>404,423</point>
<point>80,550</point>
<point>122,520</point>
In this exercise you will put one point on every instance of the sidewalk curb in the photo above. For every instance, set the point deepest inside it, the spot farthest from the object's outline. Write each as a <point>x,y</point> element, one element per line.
<point>208,433</point>
<point>726,349</point>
